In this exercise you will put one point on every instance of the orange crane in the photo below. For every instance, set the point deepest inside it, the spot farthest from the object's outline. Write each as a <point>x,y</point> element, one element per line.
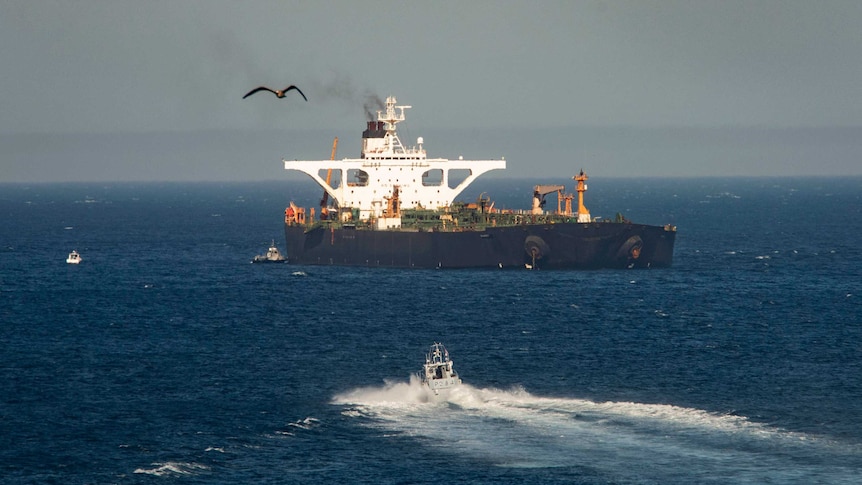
<point>324,211</point>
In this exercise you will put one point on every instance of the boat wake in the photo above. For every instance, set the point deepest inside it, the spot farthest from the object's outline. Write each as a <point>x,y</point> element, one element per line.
<point>620,441</point>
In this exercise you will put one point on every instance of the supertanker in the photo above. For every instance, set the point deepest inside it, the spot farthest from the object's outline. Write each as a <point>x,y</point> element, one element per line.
<point>395,207</point>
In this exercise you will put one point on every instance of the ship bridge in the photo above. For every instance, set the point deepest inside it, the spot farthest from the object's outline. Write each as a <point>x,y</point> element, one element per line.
<point>386,169</point>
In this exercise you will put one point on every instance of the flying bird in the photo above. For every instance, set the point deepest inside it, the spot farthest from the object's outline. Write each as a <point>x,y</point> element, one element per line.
<point>278,94</point>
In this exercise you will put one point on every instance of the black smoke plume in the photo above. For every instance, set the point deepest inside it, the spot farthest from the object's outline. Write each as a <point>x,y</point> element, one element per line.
<point>340,88</point>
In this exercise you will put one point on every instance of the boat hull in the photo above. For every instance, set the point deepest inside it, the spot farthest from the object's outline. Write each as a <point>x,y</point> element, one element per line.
<point>541,246</point>
<point>264,259</point>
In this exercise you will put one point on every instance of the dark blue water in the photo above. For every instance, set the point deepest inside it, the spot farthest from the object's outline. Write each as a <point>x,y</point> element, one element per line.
<point>165,357</point>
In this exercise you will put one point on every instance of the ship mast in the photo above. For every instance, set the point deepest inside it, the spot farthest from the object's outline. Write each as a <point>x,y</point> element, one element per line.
<point>382,141</point>
<point>583,212</point>
<point>390,120</point>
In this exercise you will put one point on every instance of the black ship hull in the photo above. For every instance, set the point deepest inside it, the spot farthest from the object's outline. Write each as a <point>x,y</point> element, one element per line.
<point>540,246</point>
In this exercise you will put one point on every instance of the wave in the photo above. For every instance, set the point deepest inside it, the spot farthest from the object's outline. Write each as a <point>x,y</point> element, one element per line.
<point>172,468</point>
<point>624,441</point>
<point>306,424</point>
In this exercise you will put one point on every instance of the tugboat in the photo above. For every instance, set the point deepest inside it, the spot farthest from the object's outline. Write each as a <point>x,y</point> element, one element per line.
<point>272,255</point>
<point>438,373</point>
<point>394,207</point>
<point>73,258</point>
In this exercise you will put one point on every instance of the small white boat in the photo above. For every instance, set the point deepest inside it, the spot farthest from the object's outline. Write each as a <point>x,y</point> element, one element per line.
<point>438,373</point>
<point>74,258</point>
<point>272,255</point>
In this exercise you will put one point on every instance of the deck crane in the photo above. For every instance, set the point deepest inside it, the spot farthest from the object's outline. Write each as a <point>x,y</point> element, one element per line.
<point>539,193</point>
<point>324,211</point>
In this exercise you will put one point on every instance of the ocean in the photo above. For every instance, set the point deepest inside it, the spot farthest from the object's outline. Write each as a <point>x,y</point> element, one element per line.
<point>166,357</point>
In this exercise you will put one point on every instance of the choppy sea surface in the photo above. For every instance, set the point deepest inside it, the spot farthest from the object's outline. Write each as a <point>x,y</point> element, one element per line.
<point>166,357</point>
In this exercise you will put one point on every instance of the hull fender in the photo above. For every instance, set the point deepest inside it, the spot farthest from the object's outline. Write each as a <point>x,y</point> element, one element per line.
<point>631,249</point>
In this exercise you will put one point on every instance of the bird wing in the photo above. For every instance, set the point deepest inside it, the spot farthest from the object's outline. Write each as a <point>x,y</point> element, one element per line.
<point>297,90</point>
<point>259,88</point>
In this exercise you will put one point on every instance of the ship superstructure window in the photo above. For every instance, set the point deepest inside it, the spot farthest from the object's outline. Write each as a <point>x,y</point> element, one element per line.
<point>331,175</point>
<point>357,177</point>
<point>432,178</point>
<point>458,175</point>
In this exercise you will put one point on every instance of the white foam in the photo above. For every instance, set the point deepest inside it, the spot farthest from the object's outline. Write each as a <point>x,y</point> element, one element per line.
<point>514,428</point>
<point>392,394</point>
<point>172,468</point>
<point>517,402</point>
<point>307,423</point>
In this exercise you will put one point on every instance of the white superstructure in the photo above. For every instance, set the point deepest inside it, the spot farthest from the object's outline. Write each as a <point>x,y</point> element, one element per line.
<point>438,373</point>
<point>272,255</point>
<point>387,171</point>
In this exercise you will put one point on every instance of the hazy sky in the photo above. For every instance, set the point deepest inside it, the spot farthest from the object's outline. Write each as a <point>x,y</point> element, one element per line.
<point>125,67</point>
